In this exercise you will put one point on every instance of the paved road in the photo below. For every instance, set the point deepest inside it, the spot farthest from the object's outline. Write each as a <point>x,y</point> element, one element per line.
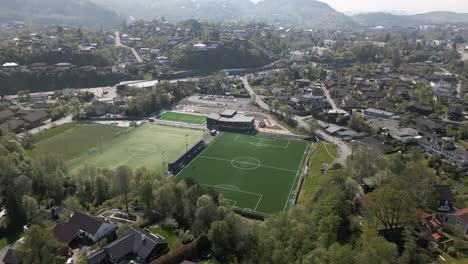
<point>252,93</point>
<point>344,150</point>
<point>459,89</point>
<point>65,120</point>
<point>118,43</point>
<point>329,98</point>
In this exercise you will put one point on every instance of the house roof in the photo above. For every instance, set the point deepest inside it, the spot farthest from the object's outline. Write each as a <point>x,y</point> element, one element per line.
<point>79,221</point>
<point>35,116</point>
<point>463,214</point>
<point>135,241</point>
<point>5,114</point>
<point>444,192</point>
<point>11,257</point>
<point>12,124</point>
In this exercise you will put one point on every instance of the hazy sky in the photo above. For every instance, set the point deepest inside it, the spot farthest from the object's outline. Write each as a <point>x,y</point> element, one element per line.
<point>408,6</point>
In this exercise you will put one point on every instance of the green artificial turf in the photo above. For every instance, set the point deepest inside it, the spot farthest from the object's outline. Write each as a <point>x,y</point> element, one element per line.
<point>183,118</point>
<point>254,173</point>
<point>140,147</point>
<point>71,140</point>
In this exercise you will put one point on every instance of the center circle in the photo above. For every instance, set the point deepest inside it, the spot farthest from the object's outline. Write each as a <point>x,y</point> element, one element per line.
<point>142,149</point>
<point>245,163</point>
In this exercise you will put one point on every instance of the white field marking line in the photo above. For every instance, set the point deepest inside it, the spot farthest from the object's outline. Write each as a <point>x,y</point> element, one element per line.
<point>259,144</point>
<point>251,193</point>
<point>270,167</point>
<point>229,200</point>
<point>197,157</point>
<point>258,203</point>
<point>228,185</point>
<point>331,156</point>
<point>297,175</point>
<point>289,141</point>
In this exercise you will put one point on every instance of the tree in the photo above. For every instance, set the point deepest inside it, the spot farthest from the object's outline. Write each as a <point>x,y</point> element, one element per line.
<point>390,206</point>
<point>38,246</point>
<point>463,131</point>
<point>30,206</point>
<point>220,237</point>
<point>147,196</point>
<point>287,111</point>
<point>123,176</point>
<point>165,200</point>
<point>372,248</point>
<point>396,60</point>
<point>275,105</point>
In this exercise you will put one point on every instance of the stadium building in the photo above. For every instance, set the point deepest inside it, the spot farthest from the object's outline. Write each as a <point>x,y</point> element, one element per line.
<point>231,120</point>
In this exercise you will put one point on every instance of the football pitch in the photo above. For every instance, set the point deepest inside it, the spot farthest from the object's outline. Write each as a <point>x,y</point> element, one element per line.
<point>254,173</point>
<point>73,142</point>
<point>144,146</point>
<point>184,118</point>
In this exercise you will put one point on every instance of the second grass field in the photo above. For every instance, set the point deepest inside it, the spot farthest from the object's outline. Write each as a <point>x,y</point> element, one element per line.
<point>254,173</point>
<point>183,118</point>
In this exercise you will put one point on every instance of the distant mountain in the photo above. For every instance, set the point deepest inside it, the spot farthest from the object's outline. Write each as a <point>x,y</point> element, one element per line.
<point>302,12</point>
<point>390,20</point>
<point>68,12</point>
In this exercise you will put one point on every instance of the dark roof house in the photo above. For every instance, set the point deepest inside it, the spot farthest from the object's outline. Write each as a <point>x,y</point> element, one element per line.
<point>83,225</point>
<point>136,244</point>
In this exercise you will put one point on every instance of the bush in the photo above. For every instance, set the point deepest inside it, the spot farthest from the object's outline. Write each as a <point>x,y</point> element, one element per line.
<point>452,251</point>
<point>186,237</point>
<point>170,224</point>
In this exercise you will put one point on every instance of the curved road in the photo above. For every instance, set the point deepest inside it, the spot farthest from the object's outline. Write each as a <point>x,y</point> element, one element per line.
<point>118,43</point>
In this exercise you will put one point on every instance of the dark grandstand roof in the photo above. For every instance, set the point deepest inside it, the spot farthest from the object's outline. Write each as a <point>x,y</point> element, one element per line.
<point>238,118</point>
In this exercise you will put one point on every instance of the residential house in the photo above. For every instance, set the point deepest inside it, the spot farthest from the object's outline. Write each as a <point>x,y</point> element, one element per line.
<point>419,108</point>
<point>444,149</point>
<point>5,115</point>
<point>135,245</point>
<point>38,97</point>
<point>83,227</point>
<point>36,118</point>
<point>457,222</point>
<point>444,197</point>
<point>63,66</point>
<point>404,135</point>
<point>383,68</point>
<point>44,216</point>
<point>441,84</point>
<point>13,125</point>
<point>428,125</point>
<point>379,113</point>
<point>376,145</point>
<point>99,108</point>
<point>12,257</point>
<point>432,223</point>
<point>455,113</point>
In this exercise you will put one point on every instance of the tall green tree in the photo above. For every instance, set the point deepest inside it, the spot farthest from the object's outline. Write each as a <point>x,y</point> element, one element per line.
<point>123,176</point>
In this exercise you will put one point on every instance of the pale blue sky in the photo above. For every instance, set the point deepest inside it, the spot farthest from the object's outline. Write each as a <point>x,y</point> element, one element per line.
<point>408,6</point>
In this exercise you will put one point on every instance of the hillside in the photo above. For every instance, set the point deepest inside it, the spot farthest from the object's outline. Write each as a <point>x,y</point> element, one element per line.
<point>390,20</point>
<point>68,12</point>
<point>298,12</point>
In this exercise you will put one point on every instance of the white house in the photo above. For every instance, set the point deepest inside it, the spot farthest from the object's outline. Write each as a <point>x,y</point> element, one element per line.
<point>440,84</point>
